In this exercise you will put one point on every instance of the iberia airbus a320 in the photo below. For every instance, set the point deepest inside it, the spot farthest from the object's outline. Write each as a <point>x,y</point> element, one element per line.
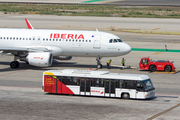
<point>38,47</point>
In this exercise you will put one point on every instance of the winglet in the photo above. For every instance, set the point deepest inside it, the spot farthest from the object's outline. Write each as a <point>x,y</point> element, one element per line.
<point>29,24</point>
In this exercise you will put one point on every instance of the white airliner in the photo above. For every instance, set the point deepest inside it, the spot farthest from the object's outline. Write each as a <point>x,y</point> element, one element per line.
<point>38,47</point>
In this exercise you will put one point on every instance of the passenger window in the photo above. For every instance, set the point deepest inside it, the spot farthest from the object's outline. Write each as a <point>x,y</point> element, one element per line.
<point>46,39</point>
<point>7,38</point>
<point>16,38</point>
<point>53,39</point>
<point>59,39</point>
<point>56,39</point>
<point>29,38</point>
<point>89,40</point>
<point>79,40</point>
<point>13,38</point>
<point>10,38</point>
<point>23,38</point>
<point>43,39</point>
<point>49,39</point>
<point>0,37</point>
<point>66,39</point>
<point>69,40</point>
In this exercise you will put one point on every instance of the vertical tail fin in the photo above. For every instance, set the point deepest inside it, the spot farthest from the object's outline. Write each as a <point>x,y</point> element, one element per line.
<point>29,24</point>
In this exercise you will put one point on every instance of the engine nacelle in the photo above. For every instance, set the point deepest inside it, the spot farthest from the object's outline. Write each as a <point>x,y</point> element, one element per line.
<point>42,59</point>
<point>63,57</point>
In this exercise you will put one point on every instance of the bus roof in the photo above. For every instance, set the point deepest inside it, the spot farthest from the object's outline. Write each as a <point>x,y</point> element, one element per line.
<point>95,74</point>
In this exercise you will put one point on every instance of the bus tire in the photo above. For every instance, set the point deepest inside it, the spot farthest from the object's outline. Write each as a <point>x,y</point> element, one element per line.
<point>168,68</point>
<point>125,96</point>
<point>152,68</point>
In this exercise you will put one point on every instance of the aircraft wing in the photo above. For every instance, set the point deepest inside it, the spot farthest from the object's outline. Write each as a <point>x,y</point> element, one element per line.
<point>25,49</point>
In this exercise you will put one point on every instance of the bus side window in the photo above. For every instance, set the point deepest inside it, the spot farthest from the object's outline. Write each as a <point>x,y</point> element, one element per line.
<point>139,86</point>
<point>70,81</point>
<point>129,84</point>
<point>118,84</point>
<point>95,82</point>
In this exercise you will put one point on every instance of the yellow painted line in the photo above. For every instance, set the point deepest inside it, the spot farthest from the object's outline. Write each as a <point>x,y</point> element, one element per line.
<point>157,53</point>
<point>156,29</point>
<point>173,72</point>
<point>164,112</point>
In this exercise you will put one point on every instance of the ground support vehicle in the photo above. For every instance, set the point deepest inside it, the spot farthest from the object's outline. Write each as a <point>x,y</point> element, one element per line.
<point>98,83</point>
<point>156,65</point>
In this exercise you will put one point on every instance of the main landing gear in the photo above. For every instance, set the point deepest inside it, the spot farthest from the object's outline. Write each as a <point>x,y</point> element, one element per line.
<point>15,63</point>
<point>99,65</point>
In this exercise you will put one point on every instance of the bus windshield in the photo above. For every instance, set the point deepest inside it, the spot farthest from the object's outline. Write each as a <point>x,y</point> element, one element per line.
<point>148,84</point>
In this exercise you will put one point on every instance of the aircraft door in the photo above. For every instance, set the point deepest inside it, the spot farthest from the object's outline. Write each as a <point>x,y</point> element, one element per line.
<point>97,42</point>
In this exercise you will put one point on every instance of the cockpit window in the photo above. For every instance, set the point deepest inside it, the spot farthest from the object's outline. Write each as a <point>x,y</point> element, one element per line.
<point>119,40</point>
<point>110,41</point>
<point>115,40</point>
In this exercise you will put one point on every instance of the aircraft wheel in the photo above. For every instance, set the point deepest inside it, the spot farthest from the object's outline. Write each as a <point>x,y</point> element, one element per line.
<point>168,68</point>
<point>99,66</point>
<point>152,68</point>
<point>14,64</point>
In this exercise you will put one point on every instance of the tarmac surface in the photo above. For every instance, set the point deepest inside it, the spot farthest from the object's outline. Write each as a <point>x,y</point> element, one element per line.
<point>21,95</point>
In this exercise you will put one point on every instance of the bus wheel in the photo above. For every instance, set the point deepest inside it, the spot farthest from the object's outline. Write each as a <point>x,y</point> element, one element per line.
<point>167,68</point>
<point>152,68</point>
<point>125,96</point>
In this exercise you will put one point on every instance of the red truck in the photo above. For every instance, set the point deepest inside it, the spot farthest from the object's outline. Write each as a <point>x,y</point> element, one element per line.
<point>156,65</point>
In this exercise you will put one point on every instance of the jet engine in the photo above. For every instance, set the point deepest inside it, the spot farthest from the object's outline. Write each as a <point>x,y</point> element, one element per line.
<point>63,57</point>
<point>43,59</point>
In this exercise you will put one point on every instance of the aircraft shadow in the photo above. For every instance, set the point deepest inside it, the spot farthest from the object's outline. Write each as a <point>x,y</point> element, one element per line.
<point>55,65</point>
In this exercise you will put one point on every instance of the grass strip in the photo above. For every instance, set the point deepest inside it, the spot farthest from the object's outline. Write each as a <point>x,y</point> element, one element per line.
<point>90,1</point>
<point>154,50</point>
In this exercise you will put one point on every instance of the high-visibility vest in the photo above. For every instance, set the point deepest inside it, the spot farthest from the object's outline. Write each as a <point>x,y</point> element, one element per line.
<point>109,61</point>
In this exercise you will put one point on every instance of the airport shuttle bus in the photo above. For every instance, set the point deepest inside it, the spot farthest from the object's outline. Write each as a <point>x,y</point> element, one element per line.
<point>98,83</point>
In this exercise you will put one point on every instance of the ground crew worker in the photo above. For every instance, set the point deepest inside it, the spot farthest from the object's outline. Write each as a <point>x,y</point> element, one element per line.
<point>123,62</point>
<point>145,62</point>
<point>109,64</point>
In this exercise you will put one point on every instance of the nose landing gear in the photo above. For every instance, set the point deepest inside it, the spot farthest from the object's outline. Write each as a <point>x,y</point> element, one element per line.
<point>99,65</point>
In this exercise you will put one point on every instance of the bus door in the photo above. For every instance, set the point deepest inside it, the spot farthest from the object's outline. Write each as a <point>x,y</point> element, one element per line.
<point>82,86</point>
<point>139,90</point>
<point>109,88</point>
<point>97,87</point>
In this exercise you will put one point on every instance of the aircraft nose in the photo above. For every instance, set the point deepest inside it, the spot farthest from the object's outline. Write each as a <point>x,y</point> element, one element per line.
<point>127,48</point>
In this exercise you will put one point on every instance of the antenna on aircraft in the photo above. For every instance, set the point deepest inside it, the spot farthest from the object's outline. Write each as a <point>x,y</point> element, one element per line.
<point>96,30</point>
